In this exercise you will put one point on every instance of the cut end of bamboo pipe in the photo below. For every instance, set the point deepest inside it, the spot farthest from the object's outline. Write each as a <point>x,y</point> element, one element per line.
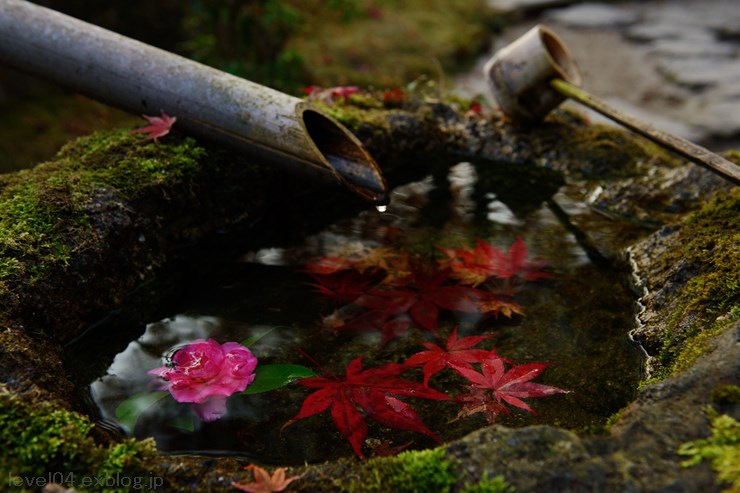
<point>343,154</point>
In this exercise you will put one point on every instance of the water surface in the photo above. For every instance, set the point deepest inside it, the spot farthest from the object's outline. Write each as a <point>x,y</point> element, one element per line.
<point>578,319</point>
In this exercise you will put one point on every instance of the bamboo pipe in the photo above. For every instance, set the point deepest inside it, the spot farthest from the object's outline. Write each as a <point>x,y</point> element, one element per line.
<point>208,103</point>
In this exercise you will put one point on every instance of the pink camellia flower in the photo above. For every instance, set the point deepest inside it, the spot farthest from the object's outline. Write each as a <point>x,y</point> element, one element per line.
<point>206,373</point>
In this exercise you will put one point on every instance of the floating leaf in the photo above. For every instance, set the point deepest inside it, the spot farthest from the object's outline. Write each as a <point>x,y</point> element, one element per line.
<point>496,385</point>
<point>373,390</point>
<point>271,377</point>
<point>456,353</point>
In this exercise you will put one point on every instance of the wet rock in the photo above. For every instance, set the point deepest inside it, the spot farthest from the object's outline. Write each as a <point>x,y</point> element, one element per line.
<point>691,47</point>
<point>699,72</point>
<point>592,15</point>
<point>638,455</point>
<point>524,5</point>
<point>717,110</point>
<point>657,195</point>
<point>654,30</point>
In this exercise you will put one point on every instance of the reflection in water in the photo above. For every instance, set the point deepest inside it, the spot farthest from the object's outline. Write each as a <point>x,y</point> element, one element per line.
<point>578,319</point>
<point>127,374</point>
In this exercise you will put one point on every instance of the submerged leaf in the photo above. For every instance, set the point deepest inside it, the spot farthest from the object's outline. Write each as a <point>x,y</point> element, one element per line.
<point>128,411</point>
<point>249,341</point>
<point>475,266</point>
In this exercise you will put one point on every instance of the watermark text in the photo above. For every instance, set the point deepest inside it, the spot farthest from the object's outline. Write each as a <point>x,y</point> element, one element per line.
<point>71,480</point>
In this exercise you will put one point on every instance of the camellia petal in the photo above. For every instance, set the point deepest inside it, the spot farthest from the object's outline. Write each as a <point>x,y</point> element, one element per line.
<point>206,373</point>
<point>211,409</point>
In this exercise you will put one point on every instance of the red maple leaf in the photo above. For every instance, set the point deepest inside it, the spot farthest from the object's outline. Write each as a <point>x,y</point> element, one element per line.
<point>517,264</point>
<point>501,385</point>
<point>329,264</point>
<point>480,401</point>
<point>159,126</point>
<point>475,266</point>
<point>458,353</point>
<point>422,295</point>
<point>475,108</point>
<point>263,482</point>
<point>386,449</point>
<point>328,94</point>
<point>346,285</point>
<point>372,390</point>
<point>393,96</point>
<point>344,91</point>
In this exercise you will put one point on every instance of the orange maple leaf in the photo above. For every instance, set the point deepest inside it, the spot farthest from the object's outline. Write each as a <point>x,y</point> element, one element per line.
<point>495,306</point>
<point>263,482</point>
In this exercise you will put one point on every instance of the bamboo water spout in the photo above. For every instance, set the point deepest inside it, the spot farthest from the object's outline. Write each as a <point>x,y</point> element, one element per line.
<point>208,103</point>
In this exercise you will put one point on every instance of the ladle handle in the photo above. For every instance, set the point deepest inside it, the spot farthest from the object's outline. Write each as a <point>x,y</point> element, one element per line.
<point>680,146</point>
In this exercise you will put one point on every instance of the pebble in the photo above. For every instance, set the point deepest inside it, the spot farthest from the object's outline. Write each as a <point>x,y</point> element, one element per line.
<point>592,15</point>
<point>699,72</point>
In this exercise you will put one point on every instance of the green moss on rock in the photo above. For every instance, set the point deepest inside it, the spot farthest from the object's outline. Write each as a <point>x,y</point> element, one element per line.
<point>595,151</point>
<point>408,472</point>
<point>43,210</point>
<point>41,443</point>
<point>417,471</point>
<point>726,394</point>
<point>487,484</point>
<point>721,450</point>
<point>709,250</point>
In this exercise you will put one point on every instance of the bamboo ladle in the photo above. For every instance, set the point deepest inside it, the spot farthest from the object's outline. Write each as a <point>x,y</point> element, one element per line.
<point>535,73</point>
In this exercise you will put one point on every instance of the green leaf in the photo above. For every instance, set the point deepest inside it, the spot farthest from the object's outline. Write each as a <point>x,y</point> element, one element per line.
<point>271,377</point>
<point>251,340</point>
<point>185,423</point>
<point>129,410</point>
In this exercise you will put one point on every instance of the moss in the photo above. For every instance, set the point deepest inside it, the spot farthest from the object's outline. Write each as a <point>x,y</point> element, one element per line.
<point>691,349</point>
<point>416,471</point>
<point>597,151</point>
<point>721,450</point>
<point>726,394</point>
<point>487,484</point>
<point>710,300</point>
<point>44,443</point>
<point>42,210</point>
<point>408,472</point>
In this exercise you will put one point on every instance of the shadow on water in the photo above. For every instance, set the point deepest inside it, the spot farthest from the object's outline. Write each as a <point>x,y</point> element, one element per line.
<point>578,319</point>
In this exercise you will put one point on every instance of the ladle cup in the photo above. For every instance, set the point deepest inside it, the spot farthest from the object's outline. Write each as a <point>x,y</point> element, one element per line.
<point>534,74</point>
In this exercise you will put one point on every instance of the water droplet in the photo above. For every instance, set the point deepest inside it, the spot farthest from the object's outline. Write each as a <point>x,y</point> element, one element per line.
<point>381,208</point>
